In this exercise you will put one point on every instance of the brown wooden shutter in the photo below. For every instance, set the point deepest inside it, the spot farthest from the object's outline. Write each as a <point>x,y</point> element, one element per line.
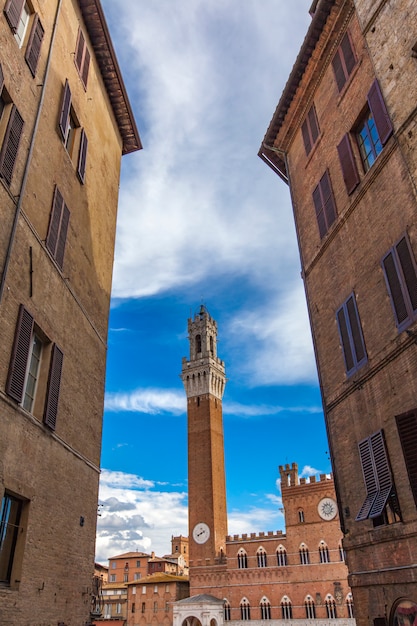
<point>86,66</point>
<point>408,267</point>
<point>21,347</point>
<point>379,112</point>
<point>407,430</point>
<point>34,45</point>
<point>79,51</point>
<point>10,146</point>
<point>62,239</point>
<point>82,157</point>
<point>355,328</point>
<point>306,137</point>
<point>318,205</point>
<point>394,288</point>
<point>12,11</point>
<point>339,71</point>
<point>58,227</point>
<point>348,55</point>
<point>54,222</point>
<point>314,127</point>
<point>1,79</point>
<point>65,110</point>
<point>383,474</point>
<point>54,384</point>
<point>348,164</point>
<point>328,201</point>
<point>369,478</point>
<point>344,337</point>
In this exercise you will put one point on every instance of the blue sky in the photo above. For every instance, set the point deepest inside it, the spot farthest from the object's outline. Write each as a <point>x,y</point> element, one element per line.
<point>203,220</point>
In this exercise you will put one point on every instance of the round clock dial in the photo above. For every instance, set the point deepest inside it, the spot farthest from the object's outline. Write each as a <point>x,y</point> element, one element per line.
<point>327,508</point>
<point>201,532</point>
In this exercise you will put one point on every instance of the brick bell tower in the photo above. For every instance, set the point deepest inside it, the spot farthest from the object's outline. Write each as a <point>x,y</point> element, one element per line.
<point>204,381</point>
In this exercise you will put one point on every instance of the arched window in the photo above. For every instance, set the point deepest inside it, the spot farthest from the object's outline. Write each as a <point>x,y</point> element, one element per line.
<point>310,608</point>
<point>324,553</point>
<point>211,345</point>
<point>244,609</point>
<point>301,516</point>
<point>341,552</point>
<point>261,556</point>
<point>265,607</point>
<point>242,559</point>
<point>286,608</point>
<point>304,555</point>
<point>198,343</point>
<point>226,610</point>
<point>281,556</point>
<point>330,607</point>
<point>349,605</point>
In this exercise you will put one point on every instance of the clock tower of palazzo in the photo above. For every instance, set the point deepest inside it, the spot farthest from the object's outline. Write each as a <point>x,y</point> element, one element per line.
<point>204,380</point>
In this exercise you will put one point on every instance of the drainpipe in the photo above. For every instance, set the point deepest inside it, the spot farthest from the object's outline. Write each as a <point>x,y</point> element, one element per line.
<point>29,157</point>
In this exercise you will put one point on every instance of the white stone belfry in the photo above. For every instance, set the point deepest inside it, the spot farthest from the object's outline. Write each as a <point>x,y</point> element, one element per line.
<point>204,373</point>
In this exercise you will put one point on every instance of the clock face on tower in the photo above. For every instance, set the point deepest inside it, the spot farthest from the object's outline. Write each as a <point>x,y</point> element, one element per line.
<point>201,532</point>
<point>327,508</point>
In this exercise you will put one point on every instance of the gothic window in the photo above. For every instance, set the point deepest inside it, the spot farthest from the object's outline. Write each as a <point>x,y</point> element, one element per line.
<point>244,609</point>
<point>226,609</point>
<point>341,552</point>
<point>324,553</point>
<point>349,605</point>
<point>242,559</point>
<point>281,557</point>
<point>330,607</point>
<point>310,608</point>
<point>261,557</point>
<point>286,608</point>
<point>265,607</point>
<point>304,554</point>
<point>211,345</point>
<point>301,516</point>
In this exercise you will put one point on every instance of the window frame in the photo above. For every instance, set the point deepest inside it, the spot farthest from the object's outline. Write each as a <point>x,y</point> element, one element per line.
<point>324,204</point>
<point>310,129</point>
<point>56,237</point>
<point>401,281</point>
<point>344,61</point>
<point>82,57</point>
<point>351,335</point>
<point>8,553</point>
<point>407,432</point>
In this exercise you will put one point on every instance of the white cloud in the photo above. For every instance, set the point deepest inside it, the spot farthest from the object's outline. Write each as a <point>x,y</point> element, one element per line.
<point>279,340</point>
<point>150,401</point>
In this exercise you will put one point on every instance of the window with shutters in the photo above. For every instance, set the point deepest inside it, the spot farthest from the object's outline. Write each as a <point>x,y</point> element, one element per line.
<point>400,272</point>
<point>310,130</point>
<point>82,57</point>
<point>22,20</point>
<point>12,126</point>
<point>381,503</point>
<point>407,431</point>
<point>12,522</point>
<point>58,228</point>
<point>73,136</point>
<point>33,47</point>
<point>324,204</point>
<point>351,337</point>
<point>344,61</point>
<point>372,132</point>
<point>17,13</point>
<point>35,369</point>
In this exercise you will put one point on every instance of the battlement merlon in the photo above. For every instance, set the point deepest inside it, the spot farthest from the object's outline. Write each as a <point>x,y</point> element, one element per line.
<point>289,477</point>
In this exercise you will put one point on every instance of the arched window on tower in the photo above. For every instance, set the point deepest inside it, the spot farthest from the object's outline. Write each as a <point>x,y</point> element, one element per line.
<point>286,608</point>
<point>265,607</point>
<point>261,557</point>
<point>211,346</point>
<point>304,555</point>
<point>244,609</point>
<point>301,516</point>
<point>341,552</point>
<point>349,605</point>
<point>198,343</point>
<point>242,559</point>
<point>226,610</point>
<point>281,556</point>
<point>324,553</point>
<point>310,607</point>
<point>330,607</point>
